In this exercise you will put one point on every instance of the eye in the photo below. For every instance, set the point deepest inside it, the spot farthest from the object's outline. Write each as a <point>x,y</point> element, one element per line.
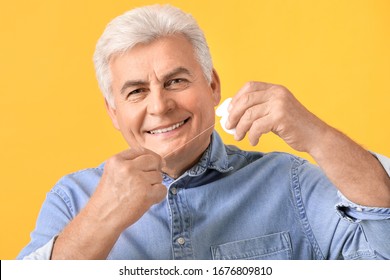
<point>177,84</point>
<point>136,94</point>
<point>136,91</point>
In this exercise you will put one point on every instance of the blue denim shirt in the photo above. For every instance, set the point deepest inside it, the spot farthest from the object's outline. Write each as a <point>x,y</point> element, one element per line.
<point>232,205</point>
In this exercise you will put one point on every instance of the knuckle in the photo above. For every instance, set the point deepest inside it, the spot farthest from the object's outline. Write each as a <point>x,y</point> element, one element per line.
<point>246,98</point>
<point>281,91</point>
<point>113,161</point>
<point>257,125</point>
<point>250,84</point>
<point>279,102</point>
<point>247,85</point>
<point>248,114</point>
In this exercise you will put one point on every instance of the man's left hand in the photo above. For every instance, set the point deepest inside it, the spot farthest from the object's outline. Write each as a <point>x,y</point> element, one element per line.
<point>260,108</point>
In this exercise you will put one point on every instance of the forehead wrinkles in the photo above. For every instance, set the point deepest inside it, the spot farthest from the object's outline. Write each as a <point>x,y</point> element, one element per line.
<point>153,61</point>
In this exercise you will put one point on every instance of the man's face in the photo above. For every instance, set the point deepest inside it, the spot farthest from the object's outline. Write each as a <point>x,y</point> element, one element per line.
<point>163,99</point>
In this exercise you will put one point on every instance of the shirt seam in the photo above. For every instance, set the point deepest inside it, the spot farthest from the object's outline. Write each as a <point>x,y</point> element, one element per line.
<point>58,191</point>
<point>296,188</point>
<point>231,152</point>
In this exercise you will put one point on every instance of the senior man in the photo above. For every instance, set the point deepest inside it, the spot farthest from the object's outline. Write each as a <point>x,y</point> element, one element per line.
<point>180,193</point>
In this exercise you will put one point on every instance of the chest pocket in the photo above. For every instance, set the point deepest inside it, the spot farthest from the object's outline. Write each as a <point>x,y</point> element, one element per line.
<point>275,246</point>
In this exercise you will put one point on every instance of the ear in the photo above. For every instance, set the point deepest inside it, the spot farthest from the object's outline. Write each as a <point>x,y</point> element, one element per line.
<point>216,87</point>
<point>112,113</point>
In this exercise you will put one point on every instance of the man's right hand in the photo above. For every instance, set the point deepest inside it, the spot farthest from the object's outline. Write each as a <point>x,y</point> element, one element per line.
<point>131,183</point>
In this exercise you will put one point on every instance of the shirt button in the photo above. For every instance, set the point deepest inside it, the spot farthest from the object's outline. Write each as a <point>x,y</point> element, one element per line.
<point>173,191</point>
<point>359,209</point>
<point>181,240</point>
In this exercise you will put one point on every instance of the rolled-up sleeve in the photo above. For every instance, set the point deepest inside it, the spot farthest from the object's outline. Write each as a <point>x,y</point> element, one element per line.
<point>356,213</point>
<point>373,222</point>
<point>43,253</point>
<point>352,231</point>
<point>55,214</point>
<point>385,161</point>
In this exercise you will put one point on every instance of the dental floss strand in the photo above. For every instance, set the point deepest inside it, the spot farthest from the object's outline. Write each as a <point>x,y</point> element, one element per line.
<point>222,111</point>
<point>181,146</point>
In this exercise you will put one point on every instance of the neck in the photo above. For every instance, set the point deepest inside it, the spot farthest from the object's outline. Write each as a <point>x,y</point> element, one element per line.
<point>174,171</point>
<point>180,161</point>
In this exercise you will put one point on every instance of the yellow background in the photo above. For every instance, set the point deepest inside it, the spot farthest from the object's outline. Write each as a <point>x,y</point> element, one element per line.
<point>333,55</point>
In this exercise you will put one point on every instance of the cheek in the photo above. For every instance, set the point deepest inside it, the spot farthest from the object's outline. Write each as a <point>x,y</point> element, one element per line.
<point>205,113</point>
<point>201,102</point>
<point>129,120</point>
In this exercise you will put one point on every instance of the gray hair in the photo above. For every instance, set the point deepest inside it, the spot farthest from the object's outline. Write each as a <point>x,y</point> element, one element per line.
<point>144,25</point>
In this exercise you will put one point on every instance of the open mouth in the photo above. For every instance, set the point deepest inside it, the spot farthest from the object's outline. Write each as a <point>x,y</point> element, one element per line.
<point>167,129</point>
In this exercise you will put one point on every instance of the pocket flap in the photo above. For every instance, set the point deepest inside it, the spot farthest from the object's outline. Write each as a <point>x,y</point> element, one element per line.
<point>275,246</point>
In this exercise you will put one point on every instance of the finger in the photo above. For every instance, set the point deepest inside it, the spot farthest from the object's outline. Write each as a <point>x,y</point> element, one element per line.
<point>130,154</point>
<point>246,120</point>
<point>148,161</point>
<point>251,87</point>
<point>258,128</point>
<point>153,177</point>
<point>157,193</point>
<point>139,153</point>
<point>245,102</point>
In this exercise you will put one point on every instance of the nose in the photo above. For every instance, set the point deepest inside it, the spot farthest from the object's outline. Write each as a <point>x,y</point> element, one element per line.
<point>160,102</point>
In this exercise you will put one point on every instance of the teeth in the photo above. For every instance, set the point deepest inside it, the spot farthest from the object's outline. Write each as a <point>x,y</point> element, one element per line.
<point>157,131</point>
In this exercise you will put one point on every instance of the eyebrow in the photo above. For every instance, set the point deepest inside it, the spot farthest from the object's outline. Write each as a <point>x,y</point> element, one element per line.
<point>169,75</point>
<point>132,83</point>
<point>176,71</point>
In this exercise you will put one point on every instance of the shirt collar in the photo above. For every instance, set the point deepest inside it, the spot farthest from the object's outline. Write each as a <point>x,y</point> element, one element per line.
<point>215,157</point>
